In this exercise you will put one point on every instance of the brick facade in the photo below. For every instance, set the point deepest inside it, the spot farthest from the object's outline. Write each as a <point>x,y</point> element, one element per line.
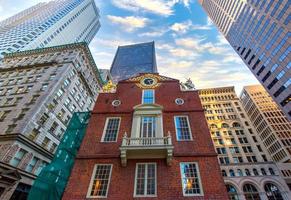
<point>169,185</point>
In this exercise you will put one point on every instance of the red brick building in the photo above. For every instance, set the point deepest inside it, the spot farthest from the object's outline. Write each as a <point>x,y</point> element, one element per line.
<point>148,139</point>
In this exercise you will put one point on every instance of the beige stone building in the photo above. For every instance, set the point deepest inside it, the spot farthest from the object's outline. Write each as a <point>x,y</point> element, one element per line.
<point>39,91</point>
<point>271,125</point>
<point>247,168</point>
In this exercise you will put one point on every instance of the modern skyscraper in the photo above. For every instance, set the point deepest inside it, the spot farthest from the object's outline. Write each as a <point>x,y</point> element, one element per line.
<point>259,32</point>
<point>133,59</point>
<point>271,125</point>
<point>49,24</point>
<point>247,168</point>
<point>40,90</point>
<point>150,141</point>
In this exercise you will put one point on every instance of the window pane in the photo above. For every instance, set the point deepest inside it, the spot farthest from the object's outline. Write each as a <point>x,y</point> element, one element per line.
<point>148,96</point>
<point>145,179</point>
<point>182,128</point>
<point>148,127</point>
<point>151,185</point>
<point>111,129</point>
<point>190,179</point>
<point>101,180</point>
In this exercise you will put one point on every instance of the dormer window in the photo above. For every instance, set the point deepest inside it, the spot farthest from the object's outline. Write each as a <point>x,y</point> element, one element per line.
<point>148,96</point>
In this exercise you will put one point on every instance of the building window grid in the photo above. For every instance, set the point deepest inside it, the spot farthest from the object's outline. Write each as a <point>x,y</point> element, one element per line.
<point>100,180</point>
<point>183,130</point>
<point>145,180</point>
<point>111,129</point>
<point>148,96</point>
<point>190,178</point>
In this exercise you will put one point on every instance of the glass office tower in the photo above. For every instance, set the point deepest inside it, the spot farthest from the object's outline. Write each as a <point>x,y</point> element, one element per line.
<point>49,24</point>
<point>130,60</point>
<point>259,32</point>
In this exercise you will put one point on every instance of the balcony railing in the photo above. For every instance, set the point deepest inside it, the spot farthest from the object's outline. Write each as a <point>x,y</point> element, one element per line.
<point>143,148</point>
<point>152,141</point>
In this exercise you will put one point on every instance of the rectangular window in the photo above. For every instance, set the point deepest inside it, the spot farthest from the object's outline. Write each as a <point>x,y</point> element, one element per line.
<point>100,180</point>
<point>148,96</point>
<point>145,179</point>
<point>190,176</point>
<point>111,129</point>
<point>18,157</point>
<point>183,131</point>
<point>148,126</point>
<point>32,164</point>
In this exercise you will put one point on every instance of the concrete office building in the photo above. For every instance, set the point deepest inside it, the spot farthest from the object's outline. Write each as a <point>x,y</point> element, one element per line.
<point>49,24</point>
<point>259,32</point>
<point>39,91</point>
<point>271,126</point>
<point>130,60</point>
<point>248,171</point>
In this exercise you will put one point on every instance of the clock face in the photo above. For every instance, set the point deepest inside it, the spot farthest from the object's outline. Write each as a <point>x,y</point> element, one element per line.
<point>148,81</point>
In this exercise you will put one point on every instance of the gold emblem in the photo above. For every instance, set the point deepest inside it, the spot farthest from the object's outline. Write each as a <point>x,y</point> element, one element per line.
<point>109,87</point>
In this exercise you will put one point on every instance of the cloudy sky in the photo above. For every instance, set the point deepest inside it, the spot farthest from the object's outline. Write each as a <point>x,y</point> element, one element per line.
<point>187,44</point>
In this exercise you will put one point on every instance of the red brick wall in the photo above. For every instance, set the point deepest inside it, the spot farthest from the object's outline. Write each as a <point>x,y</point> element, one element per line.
<point>168,179</point>
<point>200,149</point>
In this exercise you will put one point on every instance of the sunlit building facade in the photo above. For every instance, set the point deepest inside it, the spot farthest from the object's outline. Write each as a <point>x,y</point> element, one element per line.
<point>150,141</point>
<point>247,168</point>
<point>259,32</point>
<point>39,92</point>
<point>130,60</point>
<point>49,24</point>
<point>271,125</point>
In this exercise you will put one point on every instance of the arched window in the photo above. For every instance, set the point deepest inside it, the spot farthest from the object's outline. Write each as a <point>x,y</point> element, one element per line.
<point>273,192</point>
<point>232,193</point>
<point>231,172</point>
<point>213,126</point>
<point>224,125</point>
<point>235,124</point>
<point>223,172</point>
<point>239,172</point>
<point>271,171</point>
<point>247,172</point>
<point>255,172</point>
<point>263,171</point>
<point>251,192</point>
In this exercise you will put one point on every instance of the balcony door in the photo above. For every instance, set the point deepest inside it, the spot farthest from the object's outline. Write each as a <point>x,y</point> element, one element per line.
<point>148,126</point>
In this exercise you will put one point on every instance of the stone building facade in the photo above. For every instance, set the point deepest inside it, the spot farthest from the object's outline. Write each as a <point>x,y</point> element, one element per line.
<point>271,124</point>
<point>39,91</point>
<point>148,139</point>
<point>246,166</point>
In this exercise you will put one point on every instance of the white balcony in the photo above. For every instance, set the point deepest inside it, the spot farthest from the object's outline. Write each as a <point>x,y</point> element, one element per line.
<point>146,148</point>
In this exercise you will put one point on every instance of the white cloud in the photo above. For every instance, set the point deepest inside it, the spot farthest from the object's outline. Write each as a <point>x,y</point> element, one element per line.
<point>179,52</point>
<point>160,7</point>
<point>129,23</point>
<point>184,27</point>
<point>111,43</point>
<point>190,42</point>
<point>156,33</point>
<point>154,6</point>
<point>181,27</point>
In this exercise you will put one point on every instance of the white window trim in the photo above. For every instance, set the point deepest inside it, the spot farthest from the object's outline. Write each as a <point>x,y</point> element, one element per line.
<point>92,180</point>
<point>105,127</point>
<point>135,181</point>
<point>191,137</point>
<point>200,180</point>
<point>154,99</point>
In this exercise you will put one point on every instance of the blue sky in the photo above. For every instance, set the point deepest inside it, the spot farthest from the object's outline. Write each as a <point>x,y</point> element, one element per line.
<point>187,44</point>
